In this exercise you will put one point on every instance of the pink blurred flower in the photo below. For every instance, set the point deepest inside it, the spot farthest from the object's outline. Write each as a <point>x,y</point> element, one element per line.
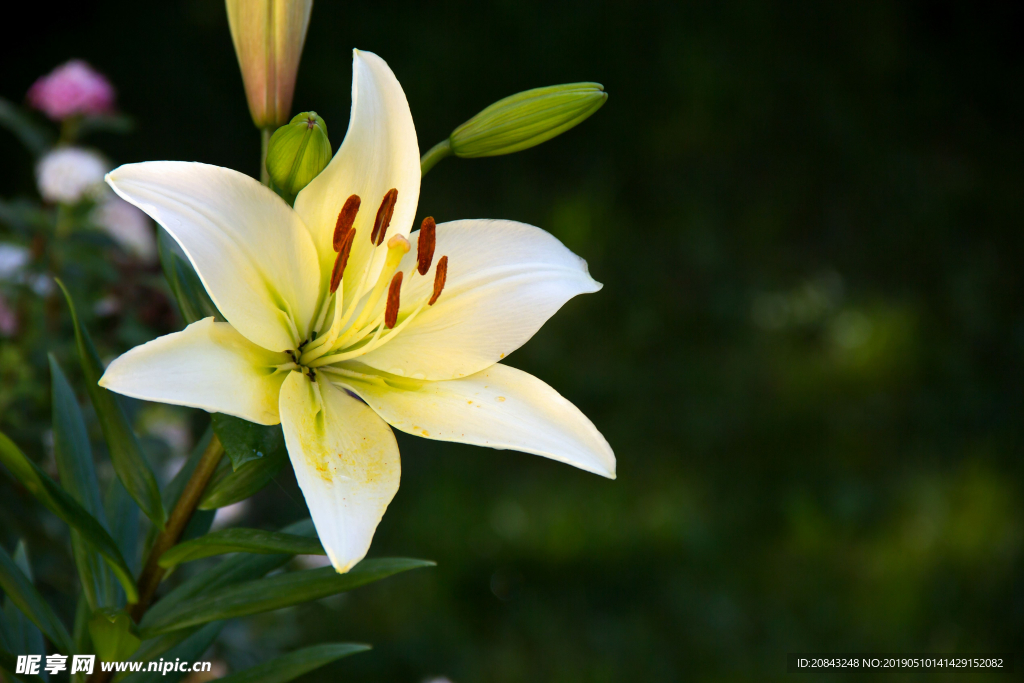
<point>72,88</point>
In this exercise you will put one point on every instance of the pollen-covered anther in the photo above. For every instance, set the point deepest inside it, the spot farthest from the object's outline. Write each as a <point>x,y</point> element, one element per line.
<point>342,260</point>
<point>394,299</point>
<point>383,219</point>
<point>440,275</point>
<point>425,246</point>
<point>346,218</point>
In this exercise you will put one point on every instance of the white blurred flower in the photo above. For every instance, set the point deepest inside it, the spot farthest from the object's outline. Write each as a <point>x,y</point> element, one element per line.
<point>13,259</point>
<point>229,514</point>
<point>127,225</point>
<point>69,174</point>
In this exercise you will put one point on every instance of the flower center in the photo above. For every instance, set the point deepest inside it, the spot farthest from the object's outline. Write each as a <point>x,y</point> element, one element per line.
<point>372,317</point>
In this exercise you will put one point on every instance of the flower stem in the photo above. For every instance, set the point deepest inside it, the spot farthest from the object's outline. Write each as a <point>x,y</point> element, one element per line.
<point>434,155</point>
<point>265,134</point>
<point>152,572</point>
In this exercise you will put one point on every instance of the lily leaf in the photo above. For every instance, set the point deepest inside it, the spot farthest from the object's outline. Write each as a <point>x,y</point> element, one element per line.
<point>245,441</point>
<point>275,592</point>
<point>113,635</point>
<point>21,592</point>
<point>123,515</point>
<point>232,570</point>
<point>22,635</point>
<point>193,301</point>
<point>294,664</point>
<point>125,453</point>
<point>189,650</point>
<point>241,540</point>
<point>78,477</point>
<point>67,508</point>
<point>230,485</point>
<point>9,664</point>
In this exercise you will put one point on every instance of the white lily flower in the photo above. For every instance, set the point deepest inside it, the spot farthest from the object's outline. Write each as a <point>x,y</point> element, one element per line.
<point>327,302</point>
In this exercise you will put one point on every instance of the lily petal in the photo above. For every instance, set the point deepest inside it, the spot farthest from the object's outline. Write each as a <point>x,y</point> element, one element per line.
<point>207,365</point>
<point>379,153</point>
<point>346,462</point>
<point>249,248</point>
<point>505,279</point>
<point>500,407</point>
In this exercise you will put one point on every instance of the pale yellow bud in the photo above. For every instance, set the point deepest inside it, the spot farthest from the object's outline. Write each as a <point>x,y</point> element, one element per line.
<point>268,37</point>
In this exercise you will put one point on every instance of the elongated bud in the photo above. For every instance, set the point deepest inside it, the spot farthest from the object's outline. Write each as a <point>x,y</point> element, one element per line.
<point>268,37</point>
<point>526,119</point>
<point>298,152</point>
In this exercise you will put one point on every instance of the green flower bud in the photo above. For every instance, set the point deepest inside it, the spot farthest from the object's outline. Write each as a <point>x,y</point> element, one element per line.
<point>526,119</point>
<point>298,152</point>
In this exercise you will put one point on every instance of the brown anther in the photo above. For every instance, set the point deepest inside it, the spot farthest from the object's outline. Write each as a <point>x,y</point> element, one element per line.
<point>346,218</point>
<point>342,260</point>
<point>394,296</point>
<point>440,275</point>
<point>425,246</point>
<point>383,220</point>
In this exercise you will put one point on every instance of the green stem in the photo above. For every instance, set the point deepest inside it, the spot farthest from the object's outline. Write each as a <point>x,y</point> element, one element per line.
<point>434,155</point>
<point>265,134</point>
<point>152,573</point>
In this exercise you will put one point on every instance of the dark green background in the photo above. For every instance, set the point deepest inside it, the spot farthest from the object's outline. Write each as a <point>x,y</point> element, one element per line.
<point>807,353</point>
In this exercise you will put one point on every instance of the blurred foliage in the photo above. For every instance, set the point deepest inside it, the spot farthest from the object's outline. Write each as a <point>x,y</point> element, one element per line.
<point>807,354</point>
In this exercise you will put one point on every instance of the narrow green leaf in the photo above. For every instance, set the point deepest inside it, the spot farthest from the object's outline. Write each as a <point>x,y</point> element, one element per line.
<point>245,441</point>
<point>113,635</point>
<point>80,633</point>
<point>64,506</point>
<point>241,541</point>
<point>276,592</point>
<point>123,516</point>
<point>193,301</point>
<point>9,663</point>
<point>78,477</point>
<point>188,650</point>
<point>242,567</point>
<point>228,486</point>
<point>21,592</point>
<point>23,635</point>
<point>125,453</point>
<point>155,647</point>
<point>294,664</point>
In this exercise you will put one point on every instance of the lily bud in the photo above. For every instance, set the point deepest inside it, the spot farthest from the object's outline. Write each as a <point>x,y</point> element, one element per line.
<point>268,37</point>
<point>526,119</point>
<point>298,152</point>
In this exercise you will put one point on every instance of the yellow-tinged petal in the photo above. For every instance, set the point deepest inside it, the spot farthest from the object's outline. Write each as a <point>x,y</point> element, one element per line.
<point>379,153</point>
<point>207,365</point>
<point>500,407</point>
<point>345,460</point>
<point>505,279</point>
<point>250,249</point>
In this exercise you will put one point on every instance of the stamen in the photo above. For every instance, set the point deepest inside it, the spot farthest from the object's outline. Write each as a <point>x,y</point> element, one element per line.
<point>339,263</point>
<point>394,296</point>
<point>425,246</point>
<point>345,220</point>
<point>440,275</point>
<point>383,220</point>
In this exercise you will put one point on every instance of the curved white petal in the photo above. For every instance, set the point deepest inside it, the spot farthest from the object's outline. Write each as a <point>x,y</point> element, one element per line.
<point>207,365</point>
<point>500,407</point>
<point>505,279</point>
<point>345,460</point>
<point>250,249</point>
<point>379,152</point>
